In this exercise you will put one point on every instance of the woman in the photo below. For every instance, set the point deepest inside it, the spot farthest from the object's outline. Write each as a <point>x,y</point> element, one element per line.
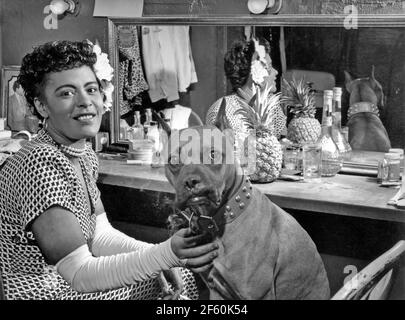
<point>56,241</point>
<point>238,62</point>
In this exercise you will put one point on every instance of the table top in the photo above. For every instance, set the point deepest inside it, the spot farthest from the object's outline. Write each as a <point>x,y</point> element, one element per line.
<point>348,195</point>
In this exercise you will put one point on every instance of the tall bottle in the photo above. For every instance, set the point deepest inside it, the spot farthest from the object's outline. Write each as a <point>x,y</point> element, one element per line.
<point>124,129</point>
<point>137,131</point>
<point>332,160</point>
<point>153,134</point>
<point>157,158</point>
<point>148,120</point>
<point>337,133</point>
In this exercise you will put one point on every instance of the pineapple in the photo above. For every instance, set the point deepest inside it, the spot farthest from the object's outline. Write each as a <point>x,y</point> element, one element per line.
<point>263,151</point>
<point>304,127</point>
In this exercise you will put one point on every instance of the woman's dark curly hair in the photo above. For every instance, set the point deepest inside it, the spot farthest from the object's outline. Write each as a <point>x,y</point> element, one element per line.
<point>52,56</point>
<point>238,59</point>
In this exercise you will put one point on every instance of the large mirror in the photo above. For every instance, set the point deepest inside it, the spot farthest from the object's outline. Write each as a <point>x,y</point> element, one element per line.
<point>376,53</point>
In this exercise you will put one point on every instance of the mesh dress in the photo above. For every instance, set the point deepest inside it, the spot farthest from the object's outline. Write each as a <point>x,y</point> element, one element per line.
<point>35,178</point>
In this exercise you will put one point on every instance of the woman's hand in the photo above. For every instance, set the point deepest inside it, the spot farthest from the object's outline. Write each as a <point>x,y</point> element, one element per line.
<point>198,258</point>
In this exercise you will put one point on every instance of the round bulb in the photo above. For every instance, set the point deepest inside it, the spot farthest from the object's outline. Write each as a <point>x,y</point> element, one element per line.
<point>257,6</point>
<point>58,6</point>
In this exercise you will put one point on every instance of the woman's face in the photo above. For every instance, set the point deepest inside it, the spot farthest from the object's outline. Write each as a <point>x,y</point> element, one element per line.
<point>271,78</point>
<point>74,103</point>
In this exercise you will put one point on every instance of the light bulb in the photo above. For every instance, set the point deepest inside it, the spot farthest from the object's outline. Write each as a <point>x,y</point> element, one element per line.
<point>58,6</point>
<point>258,6</point>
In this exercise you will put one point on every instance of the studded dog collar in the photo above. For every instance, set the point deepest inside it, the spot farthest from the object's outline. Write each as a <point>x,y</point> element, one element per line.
<point>239,201</point>
<point>359,107</point>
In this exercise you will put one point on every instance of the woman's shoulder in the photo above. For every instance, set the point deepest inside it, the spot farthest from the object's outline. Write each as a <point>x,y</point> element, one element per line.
<point>228,98</point>
<point>231,104</point>
<point>37,151</point>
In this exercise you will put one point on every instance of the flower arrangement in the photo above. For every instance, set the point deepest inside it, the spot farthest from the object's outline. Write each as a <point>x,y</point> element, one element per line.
<point>258,66</point>
<point>104,72</point>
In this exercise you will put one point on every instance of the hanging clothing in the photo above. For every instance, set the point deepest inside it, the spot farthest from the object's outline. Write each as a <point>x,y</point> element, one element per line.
<point>131,77</point>
<point>168,61</point>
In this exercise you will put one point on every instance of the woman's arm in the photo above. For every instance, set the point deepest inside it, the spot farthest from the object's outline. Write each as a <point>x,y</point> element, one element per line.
<point>62,242</point>
<point>108,241</point>
<point>58,233</point>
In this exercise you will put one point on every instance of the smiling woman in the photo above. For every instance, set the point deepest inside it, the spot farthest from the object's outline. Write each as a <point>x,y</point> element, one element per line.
<point>53,216</point>
<point>72,105</point>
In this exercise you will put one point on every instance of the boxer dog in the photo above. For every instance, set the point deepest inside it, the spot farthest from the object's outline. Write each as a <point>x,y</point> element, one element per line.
<point>366,131</point>
<point>263,252</point>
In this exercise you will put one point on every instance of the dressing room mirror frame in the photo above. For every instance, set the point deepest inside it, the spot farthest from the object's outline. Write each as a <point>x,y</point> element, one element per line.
<point>362,162</point>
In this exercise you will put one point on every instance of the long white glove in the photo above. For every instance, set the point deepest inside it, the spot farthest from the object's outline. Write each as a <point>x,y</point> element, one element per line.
<point>86,273</point>
<point>108,241</point>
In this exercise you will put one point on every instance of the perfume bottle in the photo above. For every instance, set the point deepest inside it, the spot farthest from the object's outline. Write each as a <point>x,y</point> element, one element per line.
<point>331,158</point>
<point>124,129</point>
<point>148,120</point>
<point>337,134</point>
<point>158,157</point>
<point>137,131</point>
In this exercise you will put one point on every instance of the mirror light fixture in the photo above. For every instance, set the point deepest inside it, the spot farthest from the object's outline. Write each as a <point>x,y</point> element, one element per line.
<point>260,6</point>
<point>63,7</point>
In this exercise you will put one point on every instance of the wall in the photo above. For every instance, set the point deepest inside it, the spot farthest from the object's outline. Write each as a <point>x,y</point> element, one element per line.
<point>22,27</point>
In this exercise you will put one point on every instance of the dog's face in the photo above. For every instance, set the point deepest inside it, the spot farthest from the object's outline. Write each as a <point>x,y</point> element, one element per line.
<point>365,89</point>
<point>201,167</point>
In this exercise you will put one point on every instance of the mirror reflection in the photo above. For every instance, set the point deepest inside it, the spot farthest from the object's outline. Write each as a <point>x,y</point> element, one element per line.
<point>179,70</point>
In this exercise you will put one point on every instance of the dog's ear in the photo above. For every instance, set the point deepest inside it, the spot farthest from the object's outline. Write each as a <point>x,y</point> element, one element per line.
<point>348,80</point>
<point>221,122</point>
<point>162,123</point>
<point>373,81</point>
<point>377,87</point>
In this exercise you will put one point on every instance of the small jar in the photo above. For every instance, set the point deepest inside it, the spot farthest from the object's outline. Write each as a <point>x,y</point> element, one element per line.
<point>391,168</point>
<point>291,157</point>
<point>401,157</point>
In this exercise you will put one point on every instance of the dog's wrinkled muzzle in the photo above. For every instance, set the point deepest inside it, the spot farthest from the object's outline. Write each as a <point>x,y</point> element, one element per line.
<point>199,221</point>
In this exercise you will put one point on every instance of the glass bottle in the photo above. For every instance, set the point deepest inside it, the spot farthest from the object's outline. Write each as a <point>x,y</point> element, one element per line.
<point>124,129</point>
<point>337,133</point>
<point>332,160</point>
<point>137,131</point>
<point>153,134</point>
<point>148,120</point>
<point>157,158</point>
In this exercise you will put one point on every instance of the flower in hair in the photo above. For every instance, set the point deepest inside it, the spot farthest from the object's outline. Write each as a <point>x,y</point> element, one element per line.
<point>257,69</point>
<point>104,72</point>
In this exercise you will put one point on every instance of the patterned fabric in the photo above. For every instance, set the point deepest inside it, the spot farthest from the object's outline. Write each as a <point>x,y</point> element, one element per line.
<point>131,78</point>
<point>35,178</point>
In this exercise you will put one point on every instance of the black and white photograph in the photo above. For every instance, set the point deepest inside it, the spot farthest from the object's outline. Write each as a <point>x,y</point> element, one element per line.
<point>199,151</point>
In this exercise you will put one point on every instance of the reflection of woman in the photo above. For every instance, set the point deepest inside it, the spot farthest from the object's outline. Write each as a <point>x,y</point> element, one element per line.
<point>237,64</point>
<point>55,239</point>
<point>17,108</point>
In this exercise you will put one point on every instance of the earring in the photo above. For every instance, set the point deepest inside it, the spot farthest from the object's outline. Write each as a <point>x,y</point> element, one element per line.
<point>45,124</point>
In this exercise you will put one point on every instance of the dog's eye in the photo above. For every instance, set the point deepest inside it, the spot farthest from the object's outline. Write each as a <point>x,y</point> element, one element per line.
<point>174,160</point>
<point>215,156</point>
